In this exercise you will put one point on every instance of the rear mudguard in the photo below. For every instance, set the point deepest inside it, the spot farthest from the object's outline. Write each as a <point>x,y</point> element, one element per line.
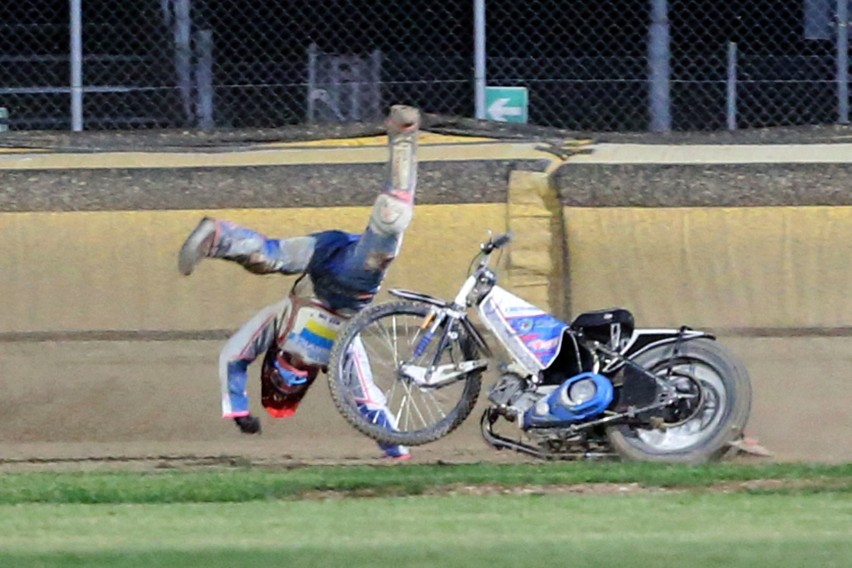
<point>644,340</point>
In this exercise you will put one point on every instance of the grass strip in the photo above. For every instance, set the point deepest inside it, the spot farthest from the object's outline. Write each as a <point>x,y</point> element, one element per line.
<point>695,529</point>
<point>254,484</point>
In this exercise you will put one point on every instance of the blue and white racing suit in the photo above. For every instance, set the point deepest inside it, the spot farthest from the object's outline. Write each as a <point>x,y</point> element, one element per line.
<point>342,273</point>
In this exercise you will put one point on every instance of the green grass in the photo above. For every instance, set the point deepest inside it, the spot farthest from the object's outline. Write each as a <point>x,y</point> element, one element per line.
<point>249,484</point>
<point>660,529</point>
<point>253,518</point>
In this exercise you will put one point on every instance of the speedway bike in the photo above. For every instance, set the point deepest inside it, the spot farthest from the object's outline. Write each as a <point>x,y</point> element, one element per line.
<point>595,387</point>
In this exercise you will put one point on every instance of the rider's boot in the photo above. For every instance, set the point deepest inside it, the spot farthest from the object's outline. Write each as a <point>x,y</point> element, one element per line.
<point>197,245</point>
<point>395,452</point>
<point>381,417</point>
<point>402,125</point>
<point>393,209</point>
<point>215,238</point>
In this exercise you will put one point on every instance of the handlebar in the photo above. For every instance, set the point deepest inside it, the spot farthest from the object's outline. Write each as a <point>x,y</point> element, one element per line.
<point>498,242</point>
<point>480,278</point>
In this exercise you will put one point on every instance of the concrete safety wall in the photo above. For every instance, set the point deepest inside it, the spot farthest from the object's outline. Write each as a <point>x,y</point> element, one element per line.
<point>88,240</point>
<point>117,270</point>
<point>87,245</point>
<point>754,238</point>
<point>770,268</point>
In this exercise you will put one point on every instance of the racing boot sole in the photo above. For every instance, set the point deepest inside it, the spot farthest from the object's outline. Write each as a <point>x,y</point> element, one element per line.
<point>197,246</point>
<point>402,119</point>
<point>402,125</point>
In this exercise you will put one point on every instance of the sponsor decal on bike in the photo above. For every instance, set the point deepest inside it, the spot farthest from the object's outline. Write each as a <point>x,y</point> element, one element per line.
<point>497,324</point>
<point>541,335</point>
<point>539,332</point>
<point>520,310</point>
<point>543,345</point>
<point>524,328</point>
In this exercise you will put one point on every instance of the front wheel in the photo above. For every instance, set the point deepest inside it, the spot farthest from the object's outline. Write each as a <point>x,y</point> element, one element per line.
<point>378,374</point>
<point>715,407</point>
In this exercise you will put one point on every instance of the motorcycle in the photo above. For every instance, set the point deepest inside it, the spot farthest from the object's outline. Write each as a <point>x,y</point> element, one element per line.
<point>595,387</point>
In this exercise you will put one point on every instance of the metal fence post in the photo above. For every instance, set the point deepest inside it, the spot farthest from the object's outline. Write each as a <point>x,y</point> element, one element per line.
<point>76,50</point>
<point>479,73</point>
<point>375,84</point>
<point>204,78</point>
<point>843,61</point>
<point>312,83</point>
<point>183,54</point>
<point>731,100</point>
<point>659,63</point>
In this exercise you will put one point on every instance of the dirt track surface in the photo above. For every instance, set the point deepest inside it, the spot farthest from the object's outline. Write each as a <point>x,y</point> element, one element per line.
<point>146,405</point>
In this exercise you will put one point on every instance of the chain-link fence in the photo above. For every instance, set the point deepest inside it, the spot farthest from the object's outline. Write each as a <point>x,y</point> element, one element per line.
<point>590,65</point>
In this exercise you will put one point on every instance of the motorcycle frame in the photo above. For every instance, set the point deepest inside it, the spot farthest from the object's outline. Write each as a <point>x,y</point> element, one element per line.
<point>481,285</point>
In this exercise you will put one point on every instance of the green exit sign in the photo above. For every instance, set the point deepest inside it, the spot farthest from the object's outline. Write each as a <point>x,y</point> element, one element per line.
<point>506,104</point>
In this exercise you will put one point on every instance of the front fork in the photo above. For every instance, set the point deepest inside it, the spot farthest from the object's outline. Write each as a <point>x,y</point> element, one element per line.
<point>431,324</point>
<point>445,327</point>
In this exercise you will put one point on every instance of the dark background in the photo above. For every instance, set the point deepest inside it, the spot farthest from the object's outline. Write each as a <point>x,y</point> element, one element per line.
<point>584,61</point>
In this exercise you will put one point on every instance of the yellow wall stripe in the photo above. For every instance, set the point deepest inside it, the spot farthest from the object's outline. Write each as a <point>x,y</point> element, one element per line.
<point>118,270</point>
<point>714,267</point>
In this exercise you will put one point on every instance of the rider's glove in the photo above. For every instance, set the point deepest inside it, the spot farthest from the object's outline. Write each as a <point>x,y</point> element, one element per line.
<point>248,424</point>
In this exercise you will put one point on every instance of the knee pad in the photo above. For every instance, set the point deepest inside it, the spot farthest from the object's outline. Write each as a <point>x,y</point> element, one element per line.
<point>391,214</point>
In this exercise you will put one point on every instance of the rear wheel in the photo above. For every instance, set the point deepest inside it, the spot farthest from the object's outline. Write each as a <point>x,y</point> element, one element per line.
<point>714,409</point>
<point>393,357</point>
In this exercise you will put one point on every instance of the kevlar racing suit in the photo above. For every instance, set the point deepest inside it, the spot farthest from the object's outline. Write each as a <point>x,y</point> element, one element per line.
<point>340,274</point>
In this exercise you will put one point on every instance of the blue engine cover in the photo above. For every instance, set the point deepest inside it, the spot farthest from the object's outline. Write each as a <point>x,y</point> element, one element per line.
<point>557,409</point>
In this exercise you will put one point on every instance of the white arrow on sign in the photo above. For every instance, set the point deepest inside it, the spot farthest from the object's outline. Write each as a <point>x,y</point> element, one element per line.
<point>499,111</point>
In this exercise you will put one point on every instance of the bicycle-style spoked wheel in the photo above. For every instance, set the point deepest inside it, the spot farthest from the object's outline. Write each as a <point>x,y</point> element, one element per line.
<point>396,386</point>
<point>715,403</point>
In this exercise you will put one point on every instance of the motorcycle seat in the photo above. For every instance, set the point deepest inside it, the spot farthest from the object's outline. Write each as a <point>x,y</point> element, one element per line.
<point>598,324</point>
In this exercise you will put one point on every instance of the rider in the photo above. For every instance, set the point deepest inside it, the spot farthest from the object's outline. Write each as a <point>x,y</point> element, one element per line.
<point>340,274</point>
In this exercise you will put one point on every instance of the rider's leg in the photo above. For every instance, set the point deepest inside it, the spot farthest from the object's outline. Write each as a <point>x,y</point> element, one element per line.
<point>394,207</point>
<point>252,340</point>
<point>371,400</point>
<point>217,238</point>
<point>378,246</point>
